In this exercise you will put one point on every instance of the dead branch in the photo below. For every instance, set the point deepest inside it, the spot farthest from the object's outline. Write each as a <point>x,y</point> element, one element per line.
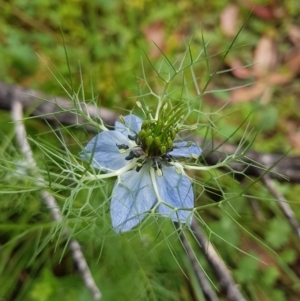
<point>221,271</point>
<point>200,275</point>
<point>283,204</point>
<point>50,108</point>
<point>49,200</point>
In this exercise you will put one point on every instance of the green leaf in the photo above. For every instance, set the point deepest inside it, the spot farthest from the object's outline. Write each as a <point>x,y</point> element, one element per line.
<point>270,276</point>
<point>43,288</point>
<point>248,269</point>
<point>278,233</point>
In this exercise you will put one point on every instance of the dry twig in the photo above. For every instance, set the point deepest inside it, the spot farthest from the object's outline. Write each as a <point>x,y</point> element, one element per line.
<point>200,275</point>
<point>49,200</point>
<point>283,204</point>
<point>227,283</point>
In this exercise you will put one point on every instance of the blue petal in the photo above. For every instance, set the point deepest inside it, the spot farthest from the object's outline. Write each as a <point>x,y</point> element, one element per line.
<point>176,190</point>
<point>132,197</point>
<point>182,150</point>
<point>105,153</point>
<point>131,127</point>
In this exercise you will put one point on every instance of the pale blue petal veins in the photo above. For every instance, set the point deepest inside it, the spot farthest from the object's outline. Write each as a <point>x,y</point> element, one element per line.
<point>103,152</point>
<point>181,149</point>
<point>133,196</point>
<point>131,127</point>
<point>176,190</point>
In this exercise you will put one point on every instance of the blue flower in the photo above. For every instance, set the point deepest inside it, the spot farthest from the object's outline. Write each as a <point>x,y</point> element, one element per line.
<point>151,179</point>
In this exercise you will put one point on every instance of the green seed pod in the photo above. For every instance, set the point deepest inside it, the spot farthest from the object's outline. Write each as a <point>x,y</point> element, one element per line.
<point>142,134</point>
<point>145,124</point>
<point>163,149</point>
<point>173,134</point>
<point>148,124</point>
<point>170,143</point>
<point>148,133</point>
<point>149,141</point>
<point>157,141</point>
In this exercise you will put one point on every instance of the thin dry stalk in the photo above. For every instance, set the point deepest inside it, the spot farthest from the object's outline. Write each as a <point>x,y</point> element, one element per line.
<point>49,200</point>
<point>226,282</point>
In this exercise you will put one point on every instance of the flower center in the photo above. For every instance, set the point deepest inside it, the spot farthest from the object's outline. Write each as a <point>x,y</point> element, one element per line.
<point>156,136</point>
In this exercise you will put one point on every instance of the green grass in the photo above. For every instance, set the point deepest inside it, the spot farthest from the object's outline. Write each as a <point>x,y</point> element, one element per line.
<point>108,59</point>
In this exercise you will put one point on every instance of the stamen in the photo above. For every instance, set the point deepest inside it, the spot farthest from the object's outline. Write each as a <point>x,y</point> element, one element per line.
<point>167,158</point>
<point>136,154</point>
<point>178,170</point>
<point>132,154</point>
<point>156,165</point>
<point>194,156</point>
<point>139,164</point>
<point>122,146</point>
<point>138,168</point>
<point>159,172</point>
<point>132,137</point>
<point>121,118</point>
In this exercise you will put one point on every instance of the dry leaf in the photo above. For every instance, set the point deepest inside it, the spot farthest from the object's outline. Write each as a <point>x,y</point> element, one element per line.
<point>280,78</point>
<point>265,259</point>
<point>248,93</point>
<point>265,57</point>
<point>265,12</point>
<point>228,20</point>
<point>239,70</point>
<point>294,34</point>
<point>293,134</point>
<point>154,33</point>
<point>293,62</point>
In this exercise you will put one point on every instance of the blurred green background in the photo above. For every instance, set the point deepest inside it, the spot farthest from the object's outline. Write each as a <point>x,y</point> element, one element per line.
<point>106,41</point>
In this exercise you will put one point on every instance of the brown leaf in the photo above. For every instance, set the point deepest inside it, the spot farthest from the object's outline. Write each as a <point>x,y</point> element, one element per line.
<point>155,33</point>
<point>228,20</point>
<point>265,258</point>
<point>294,34</point>
<point>293,62</point>
<point>265,57</point>
<point>265,12</point>
<point>293,134</point>
<point>248,93</point>
<point>280,78</point>
<point>239,70</point>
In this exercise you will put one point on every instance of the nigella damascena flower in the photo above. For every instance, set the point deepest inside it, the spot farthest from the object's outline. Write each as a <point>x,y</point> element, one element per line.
<point>150,178</point>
